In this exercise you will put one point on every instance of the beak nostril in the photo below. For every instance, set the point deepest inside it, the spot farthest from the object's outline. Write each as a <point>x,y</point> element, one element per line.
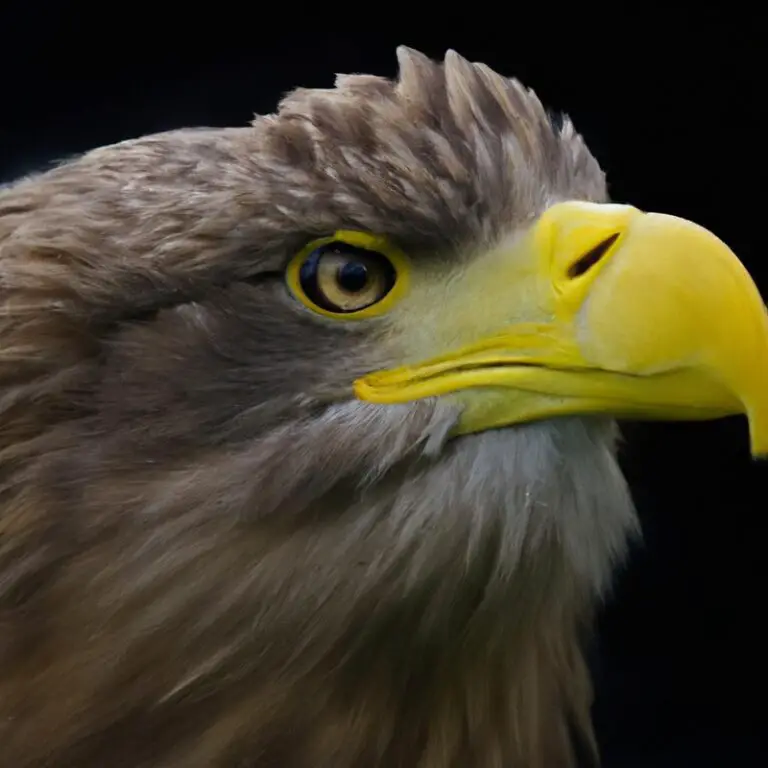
<point>591,257</point>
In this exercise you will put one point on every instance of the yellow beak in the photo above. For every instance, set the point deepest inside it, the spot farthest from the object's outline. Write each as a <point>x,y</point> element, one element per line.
<point>631,314</point>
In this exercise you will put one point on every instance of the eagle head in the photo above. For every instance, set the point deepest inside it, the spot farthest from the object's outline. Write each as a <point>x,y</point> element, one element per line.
<point>307,454</point>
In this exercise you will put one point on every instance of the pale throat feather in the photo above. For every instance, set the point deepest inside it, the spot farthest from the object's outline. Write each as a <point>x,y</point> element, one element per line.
<point>540,514</point>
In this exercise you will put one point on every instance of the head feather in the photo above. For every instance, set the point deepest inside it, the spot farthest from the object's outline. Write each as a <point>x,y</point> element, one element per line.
<point>207,552</point>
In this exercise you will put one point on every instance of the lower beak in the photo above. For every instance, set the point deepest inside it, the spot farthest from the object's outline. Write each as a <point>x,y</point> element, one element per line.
<point>634,315</point>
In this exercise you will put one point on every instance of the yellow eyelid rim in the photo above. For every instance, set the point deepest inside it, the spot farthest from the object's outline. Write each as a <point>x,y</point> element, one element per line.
<point>370,242</point>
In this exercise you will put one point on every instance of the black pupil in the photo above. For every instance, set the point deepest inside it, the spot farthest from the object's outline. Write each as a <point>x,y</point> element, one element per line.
<point>353,276</point>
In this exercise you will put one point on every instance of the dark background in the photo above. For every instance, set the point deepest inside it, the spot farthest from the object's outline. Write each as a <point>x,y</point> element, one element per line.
<point>670,103</point>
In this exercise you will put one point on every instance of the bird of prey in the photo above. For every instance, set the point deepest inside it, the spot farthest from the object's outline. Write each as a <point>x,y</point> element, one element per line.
<point>307,442</point>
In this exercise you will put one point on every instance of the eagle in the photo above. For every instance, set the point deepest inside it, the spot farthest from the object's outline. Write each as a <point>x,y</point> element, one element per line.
<point>308,429</point>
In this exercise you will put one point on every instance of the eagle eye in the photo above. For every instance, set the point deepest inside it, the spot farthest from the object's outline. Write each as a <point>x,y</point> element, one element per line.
<point>348,275</point>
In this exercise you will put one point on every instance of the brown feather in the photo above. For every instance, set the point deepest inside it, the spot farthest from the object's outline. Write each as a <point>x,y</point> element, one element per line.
<point>210,555</point>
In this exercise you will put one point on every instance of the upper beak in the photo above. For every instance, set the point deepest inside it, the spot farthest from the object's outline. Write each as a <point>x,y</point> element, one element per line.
<point>630,314</point>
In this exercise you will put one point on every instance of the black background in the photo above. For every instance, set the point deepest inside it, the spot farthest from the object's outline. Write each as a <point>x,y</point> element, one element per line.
<point>669,101</point>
